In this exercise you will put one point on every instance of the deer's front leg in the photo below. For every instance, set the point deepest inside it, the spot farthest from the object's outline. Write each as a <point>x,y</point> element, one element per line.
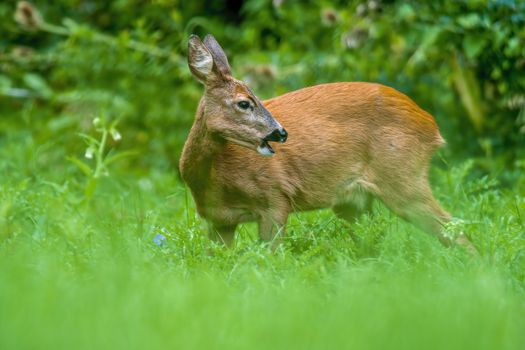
<point>221,233</point>
<point>272,226</point>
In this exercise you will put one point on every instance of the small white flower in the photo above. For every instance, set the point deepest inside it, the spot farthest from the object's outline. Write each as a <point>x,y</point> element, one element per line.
<point>115,134</point>
<point>96,122</point>
<point>89,153</point>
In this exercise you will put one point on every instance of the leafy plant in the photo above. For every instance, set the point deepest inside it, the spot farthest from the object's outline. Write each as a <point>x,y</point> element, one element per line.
<point>97,151</point>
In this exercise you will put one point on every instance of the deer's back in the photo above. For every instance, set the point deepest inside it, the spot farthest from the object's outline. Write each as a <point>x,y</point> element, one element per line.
<point>340,134</point>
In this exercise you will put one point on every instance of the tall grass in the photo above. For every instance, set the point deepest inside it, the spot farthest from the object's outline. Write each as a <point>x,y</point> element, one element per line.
<point>131,268</point>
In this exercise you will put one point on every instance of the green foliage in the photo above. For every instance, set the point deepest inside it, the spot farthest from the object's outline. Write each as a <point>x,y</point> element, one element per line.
<point>461,60</point>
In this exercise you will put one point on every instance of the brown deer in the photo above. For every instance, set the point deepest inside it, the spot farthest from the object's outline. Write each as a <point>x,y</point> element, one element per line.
<point>347,143</point>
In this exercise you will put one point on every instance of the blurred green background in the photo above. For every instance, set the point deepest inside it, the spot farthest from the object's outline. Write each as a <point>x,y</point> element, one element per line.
<point>463,61</point>
<point>100,245</point>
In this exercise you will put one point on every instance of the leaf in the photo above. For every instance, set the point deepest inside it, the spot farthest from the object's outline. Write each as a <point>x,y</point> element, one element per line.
<point>5,82</point>
<point>120,155</point>
<point>470,21</point>
<point>37,84</point>
<point>406,12</point>
<point>473,45</point>
<point>430,37</point>
<point>91,185</point>
<point>89,139</point>
<point>81,165</point>
<point>513,47</point>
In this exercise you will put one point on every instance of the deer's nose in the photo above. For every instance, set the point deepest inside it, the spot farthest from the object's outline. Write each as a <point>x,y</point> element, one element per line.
<point>278,135</point>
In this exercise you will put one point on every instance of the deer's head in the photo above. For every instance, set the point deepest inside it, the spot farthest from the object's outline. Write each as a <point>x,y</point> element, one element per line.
<point>231,110</point>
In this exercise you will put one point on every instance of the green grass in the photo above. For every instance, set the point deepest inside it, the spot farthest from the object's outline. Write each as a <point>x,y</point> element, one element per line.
<point>87,275</point>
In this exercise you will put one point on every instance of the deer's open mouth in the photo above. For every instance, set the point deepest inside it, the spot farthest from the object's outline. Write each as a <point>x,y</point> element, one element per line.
<point>278,135</point>
<point>265,149</point>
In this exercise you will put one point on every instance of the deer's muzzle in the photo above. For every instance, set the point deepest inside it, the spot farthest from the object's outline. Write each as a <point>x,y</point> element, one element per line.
<point>278,135</point>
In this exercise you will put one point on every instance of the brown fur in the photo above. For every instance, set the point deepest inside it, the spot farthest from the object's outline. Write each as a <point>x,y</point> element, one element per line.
<point>348,143</point>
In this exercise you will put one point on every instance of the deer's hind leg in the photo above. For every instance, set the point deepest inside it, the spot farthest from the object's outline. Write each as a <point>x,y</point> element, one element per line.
<point>416,204</point>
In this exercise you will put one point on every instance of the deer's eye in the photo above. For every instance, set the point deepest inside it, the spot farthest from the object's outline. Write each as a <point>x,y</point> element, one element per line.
<point>243,104</point>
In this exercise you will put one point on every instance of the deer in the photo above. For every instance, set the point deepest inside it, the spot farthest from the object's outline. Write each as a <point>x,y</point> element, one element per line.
<point>335,145</point>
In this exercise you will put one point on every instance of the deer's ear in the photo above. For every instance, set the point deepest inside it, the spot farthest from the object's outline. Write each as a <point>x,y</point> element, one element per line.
<point>200,59</point>
<point>219,57</point>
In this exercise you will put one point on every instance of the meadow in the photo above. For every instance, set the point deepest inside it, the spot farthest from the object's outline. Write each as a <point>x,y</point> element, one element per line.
<point>132,268</point>
<point>100,244</point>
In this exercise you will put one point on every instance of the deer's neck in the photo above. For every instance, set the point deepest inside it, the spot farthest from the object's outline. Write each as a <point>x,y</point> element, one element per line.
<point>199,153</point>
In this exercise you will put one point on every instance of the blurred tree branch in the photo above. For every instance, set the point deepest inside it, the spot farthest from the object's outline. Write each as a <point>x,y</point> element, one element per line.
<point>468,88</point>
<point>30,19</point>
